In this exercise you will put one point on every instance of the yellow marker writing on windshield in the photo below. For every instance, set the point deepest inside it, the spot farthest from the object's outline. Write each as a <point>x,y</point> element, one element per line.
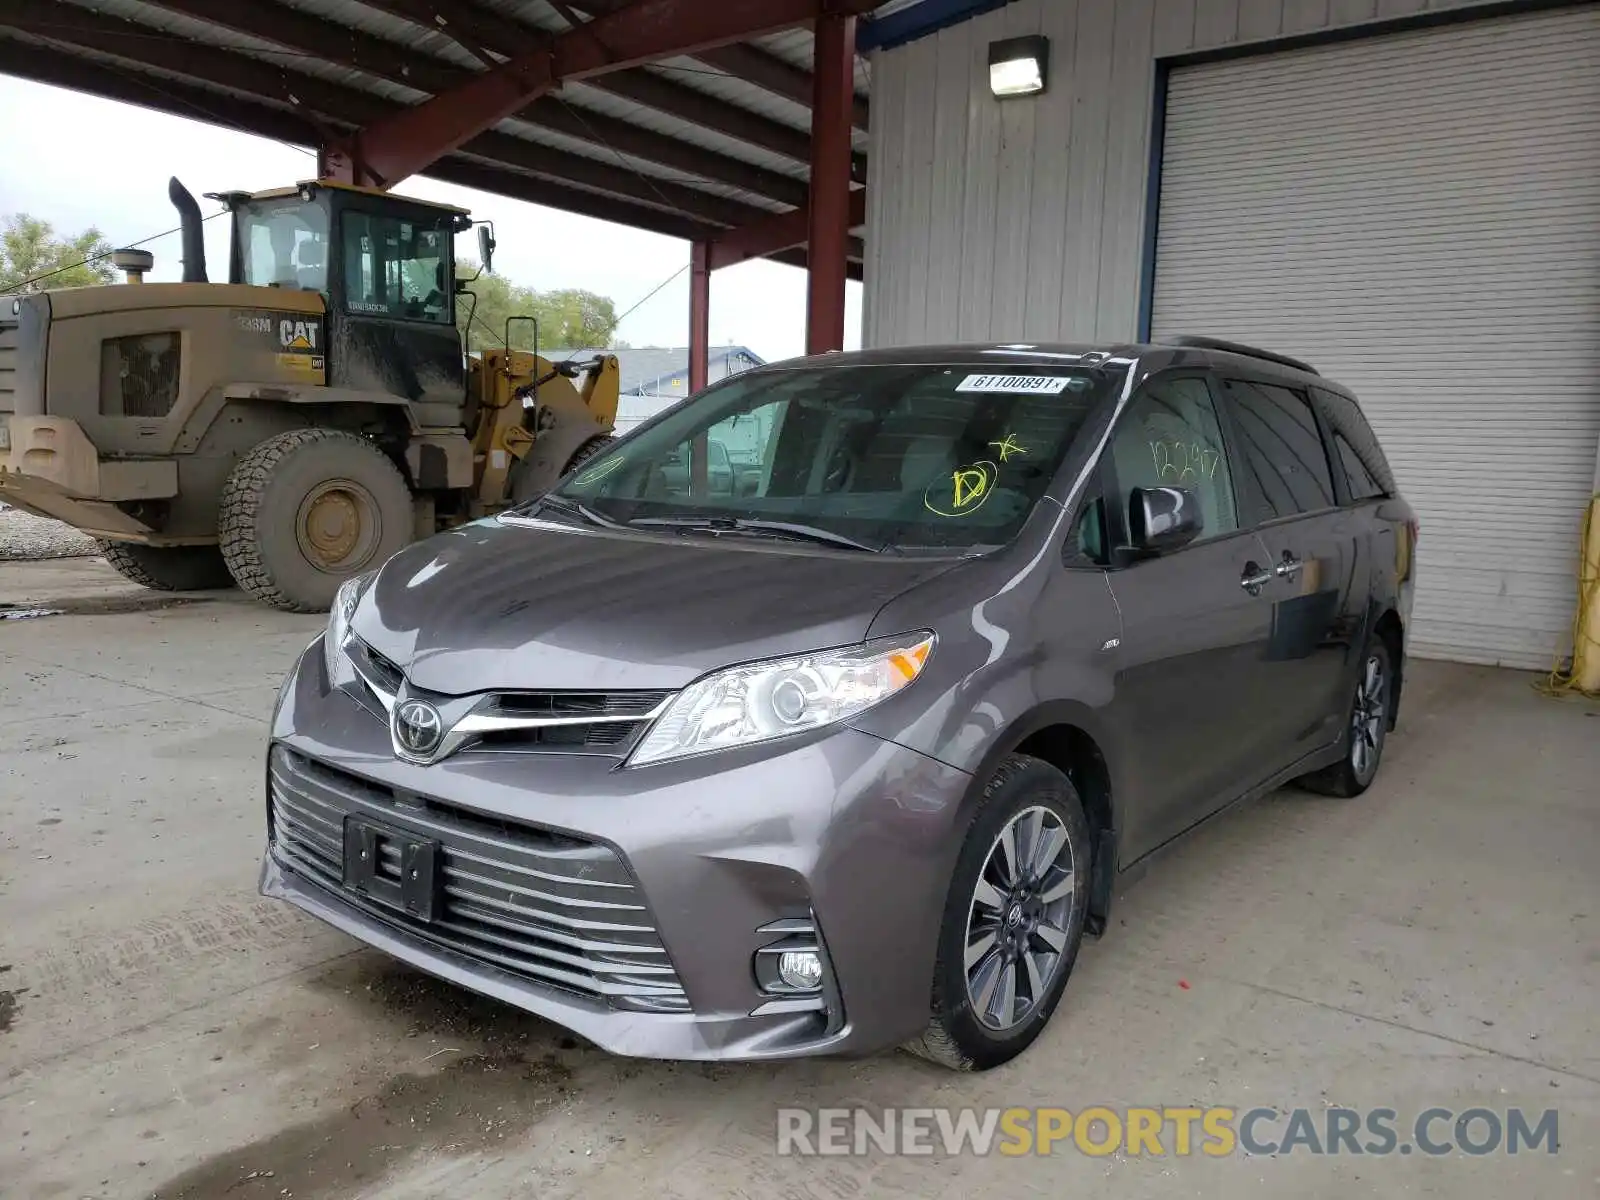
<point>962,492</point>
<point>1008,446</point>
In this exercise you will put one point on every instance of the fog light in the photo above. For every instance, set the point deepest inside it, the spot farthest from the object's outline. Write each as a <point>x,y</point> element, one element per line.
<point>800,969</point>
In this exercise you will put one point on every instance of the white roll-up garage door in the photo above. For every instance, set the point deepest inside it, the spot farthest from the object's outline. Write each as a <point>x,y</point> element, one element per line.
<point>1418,215</point>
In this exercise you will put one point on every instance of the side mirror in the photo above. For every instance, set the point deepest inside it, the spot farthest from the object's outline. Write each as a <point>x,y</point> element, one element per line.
<point>486,248</point>
<point>1163,518</point>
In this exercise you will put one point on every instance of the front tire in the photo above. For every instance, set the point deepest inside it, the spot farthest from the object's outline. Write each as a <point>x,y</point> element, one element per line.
<point>305,510</point>
<point>1366,729</point>
<point>1013,919</point>
<point>168,568</point>
<point>588,450</point>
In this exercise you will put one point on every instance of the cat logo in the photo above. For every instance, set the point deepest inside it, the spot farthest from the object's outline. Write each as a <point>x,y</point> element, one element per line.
<point>297,335</point>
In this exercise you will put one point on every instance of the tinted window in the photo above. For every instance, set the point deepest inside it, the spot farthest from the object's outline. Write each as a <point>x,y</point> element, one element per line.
<point>1089,539</point>
<point>283,244</point>
<point>1282,462</point>
<point>1364,464</point>
<point>913,456</point>
<point>1170,437</point>
<point>395,268</point>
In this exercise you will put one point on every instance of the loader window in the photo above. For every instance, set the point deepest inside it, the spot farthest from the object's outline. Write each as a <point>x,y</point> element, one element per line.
<point>283,244</point>
<point>398,269</point>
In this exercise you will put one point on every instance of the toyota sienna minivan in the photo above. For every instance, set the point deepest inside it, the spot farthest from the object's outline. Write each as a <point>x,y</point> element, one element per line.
<point>822,712</point>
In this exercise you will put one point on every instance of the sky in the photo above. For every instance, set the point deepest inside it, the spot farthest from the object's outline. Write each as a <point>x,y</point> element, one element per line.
<point>78,160</point>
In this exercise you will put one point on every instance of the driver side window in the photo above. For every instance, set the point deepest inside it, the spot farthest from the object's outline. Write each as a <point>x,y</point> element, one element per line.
<point>1170,437</point>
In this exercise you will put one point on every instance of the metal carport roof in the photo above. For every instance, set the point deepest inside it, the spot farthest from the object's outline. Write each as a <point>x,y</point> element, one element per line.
<point>690,147</point>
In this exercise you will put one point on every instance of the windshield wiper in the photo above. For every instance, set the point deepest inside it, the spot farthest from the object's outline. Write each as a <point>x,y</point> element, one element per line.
<point>783,529</point>
<point>572,508</point>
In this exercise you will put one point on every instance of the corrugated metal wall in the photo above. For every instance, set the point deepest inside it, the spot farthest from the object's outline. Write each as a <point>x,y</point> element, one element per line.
<point>1026,219</point>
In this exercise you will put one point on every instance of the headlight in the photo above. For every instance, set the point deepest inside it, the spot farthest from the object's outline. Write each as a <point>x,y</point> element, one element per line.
<point>764,700</point>
<point>344,607</point>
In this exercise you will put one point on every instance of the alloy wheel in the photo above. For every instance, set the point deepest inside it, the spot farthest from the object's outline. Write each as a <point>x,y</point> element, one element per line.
<point>1366,719</point>
<point>1018,921</point>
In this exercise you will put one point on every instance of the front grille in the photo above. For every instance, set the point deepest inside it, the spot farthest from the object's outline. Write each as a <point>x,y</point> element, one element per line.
<point>8,363</point>
<point>557,910</point>
<point>139,375</point>
<point>577,704</point>
<point>579,721</point>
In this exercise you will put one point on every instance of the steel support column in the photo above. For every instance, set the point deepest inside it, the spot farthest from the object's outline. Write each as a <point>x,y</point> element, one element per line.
<point>699,314</point>
<point>699,357</point>
<point>833,80</point>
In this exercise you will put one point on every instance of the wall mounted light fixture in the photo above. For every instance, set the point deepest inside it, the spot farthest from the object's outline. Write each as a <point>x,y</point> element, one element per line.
<point>1019,66</point>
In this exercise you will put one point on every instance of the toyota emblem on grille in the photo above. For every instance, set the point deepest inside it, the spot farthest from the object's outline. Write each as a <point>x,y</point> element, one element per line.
<point>418,727</point>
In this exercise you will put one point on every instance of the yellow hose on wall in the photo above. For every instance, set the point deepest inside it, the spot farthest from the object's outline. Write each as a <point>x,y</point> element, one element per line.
<point>1585,673</point>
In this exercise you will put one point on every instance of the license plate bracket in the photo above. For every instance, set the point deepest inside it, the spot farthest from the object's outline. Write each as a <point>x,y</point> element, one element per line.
<point>392,866</point>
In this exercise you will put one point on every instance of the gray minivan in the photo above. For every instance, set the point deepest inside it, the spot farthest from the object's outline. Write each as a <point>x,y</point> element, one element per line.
<point>852,754</point>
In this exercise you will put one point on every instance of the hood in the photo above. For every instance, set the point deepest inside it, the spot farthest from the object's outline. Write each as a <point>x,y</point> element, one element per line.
<point>502,606</point>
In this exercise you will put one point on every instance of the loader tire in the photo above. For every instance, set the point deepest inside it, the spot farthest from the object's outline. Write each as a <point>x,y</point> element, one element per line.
<point>168,568</point>
<point>595,445</point>
<point>306,510</point>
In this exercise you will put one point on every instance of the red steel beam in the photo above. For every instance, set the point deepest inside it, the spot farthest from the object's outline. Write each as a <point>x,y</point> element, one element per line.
<point>643,32</point>
<point>378,56</point>
<point>337,106</point>
<point>699,315</point>
<point>773,74</point>
<point>60,69</point>
<point>750,63</point>
<point>782,231</point>
<point>829,212</point>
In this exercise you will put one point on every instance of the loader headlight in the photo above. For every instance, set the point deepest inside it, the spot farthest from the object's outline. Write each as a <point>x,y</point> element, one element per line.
<point>760,701</point>
<point>338,632</point>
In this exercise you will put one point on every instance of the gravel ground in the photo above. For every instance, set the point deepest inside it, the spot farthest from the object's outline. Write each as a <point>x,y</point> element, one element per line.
<point>28,537</point>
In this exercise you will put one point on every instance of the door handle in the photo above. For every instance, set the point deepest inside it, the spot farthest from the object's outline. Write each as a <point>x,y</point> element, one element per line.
<point>1254,578</point>
<point>1289,567</point>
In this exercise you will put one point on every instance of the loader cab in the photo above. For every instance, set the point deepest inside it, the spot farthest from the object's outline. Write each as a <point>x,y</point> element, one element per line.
<point>385,266</point>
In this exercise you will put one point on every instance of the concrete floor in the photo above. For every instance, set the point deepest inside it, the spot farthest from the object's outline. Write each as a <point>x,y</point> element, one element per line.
<point>1434,942</point>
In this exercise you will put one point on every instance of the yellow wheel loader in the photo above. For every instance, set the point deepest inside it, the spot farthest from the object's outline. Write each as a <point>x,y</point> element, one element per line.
<point>291,427</point>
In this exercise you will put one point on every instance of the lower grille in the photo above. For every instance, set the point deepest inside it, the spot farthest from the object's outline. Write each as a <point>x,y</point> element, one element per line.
<point>554,909</point>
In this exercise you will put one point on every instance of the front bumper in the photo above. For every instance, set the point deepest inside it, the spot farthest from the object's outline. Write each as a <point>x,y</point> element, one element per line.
<point>845,830</point>
<point>50,468</point>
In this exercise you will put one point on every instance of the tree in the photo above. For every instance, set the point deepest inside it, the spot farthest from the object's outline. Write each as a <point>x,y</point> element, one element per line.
<point>567,317</point>
<point>29,248</point>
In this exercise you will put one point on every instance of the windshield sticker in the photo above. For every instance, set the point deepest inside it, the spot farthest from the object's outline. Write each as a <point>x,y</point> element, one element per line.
<point>604,471</point>
<point>1009,446</point>
<point>962,492</point>
<point>1028,385</point>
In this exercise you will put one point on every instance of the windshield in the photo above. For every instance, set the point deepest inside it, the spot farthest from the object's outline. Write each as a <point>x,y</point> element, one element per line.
<point>283,243</point>
<point>947,457</point>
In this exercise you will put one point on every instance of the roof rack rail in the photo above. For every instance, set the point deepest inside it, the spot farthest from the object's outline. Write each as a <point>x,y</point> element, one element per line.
<point>1209,343</point>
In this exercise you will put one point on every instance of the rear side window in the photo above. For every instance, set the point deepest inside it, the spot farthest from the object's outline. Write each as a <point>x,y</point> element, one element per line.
<point>1285,467</point>
<point>1359,453</point>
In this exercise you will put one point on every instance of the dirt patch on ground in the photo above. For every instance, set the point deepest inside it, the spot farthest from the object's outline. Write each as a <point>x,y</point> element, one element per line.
<point>101,605</point>
<point>472,1103</point>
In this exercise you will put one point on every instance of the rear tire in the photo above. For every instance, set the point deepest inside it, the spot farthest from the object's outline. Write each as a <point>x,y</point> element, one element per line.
<point>1012,927</point>
<point>1366,729</point>
<point>306,510</point>
<point>168,568</point>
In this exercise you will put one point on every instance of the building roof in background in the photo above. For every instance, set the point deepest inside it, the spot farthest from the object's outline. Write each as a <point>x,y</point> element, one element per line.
<point>652,370</point>
<point>687,146</point>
